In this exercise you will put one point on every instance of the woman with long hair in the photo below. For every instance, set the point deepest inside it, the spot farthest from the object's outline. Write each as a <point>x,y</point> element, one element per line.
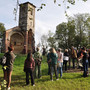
<point>29,66</point>
<point>53,63</point>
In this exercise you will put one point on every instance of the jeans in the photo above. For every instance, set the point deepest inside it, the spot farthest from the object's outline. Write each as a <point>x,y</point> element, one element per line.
<point>53,67</point>
<point>48,68</point>
<point>59,69</point>
<point>85,67</point>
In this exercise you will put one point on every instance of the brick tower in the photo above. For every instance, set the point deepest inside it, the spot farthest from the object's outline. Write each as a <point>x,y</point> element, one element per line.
<point>22,36</point>
<point>27,25</point>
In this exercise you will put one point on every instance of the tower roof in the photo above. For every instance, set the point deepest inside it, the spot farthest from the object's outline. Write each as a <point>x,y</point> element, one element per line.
<point>28,3</point>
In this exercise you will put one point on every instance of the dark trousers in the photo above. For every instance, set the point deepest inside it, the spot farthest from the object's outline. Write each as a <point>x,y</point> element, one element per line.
<point>85,67</point>
<point>30,72</point>
<point>89,61</point>
<point>73,61</point>
<point>48,68</point>
<point>65,65</point>
<point>53,67</point>
<point>37,73</point>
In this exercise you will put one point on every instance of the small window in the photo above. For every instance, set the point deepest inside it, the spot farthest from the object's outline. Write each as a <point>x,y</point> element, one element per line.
<point>32,12</point>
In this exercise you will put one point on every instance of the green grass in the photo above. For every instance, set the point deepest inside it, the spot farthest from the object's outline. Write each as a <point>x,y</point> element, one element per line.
<point>69,81</point>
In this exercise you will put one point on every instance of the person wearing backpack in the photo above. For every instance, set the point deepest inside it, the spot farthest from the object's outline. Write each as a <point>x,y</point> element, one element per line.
<point>29,66</point>
<point>10,57</point>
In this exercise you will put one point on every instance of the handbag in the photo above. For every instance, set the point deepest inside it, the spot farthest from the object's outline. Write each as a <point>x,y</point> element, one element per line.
<point>59,64</point>
<point>3,60</point>
<point>66,58</point>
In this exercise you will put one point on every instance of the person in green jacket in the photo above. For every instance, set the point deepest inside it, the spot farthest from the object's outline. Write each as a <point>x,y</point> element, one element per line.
<point>53,63</point>
<point>37,58</point>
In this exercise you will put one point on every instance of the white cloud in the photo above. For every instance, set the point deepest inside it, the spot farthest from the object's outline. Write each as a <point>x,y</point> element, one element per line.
<point>42,28</point>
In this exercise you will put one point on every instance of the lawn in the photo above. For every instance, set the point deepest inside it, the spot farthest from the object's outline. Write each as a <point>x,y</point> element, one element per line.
<point>69,81</point>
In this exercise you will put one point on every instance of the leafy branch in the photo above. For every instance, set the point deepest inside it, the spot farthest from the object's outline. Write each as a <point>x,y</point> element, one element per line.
<point>41,7</point>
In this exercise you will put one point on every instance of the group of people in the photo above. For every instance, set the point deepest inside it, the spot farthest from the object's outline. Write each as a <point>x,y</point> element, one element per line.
<point>55,59</point>
<point>32,66</point>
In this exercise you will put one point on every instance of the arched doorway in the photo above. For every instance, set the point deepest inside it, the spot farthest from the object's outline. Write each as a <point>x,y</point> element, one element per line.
<point>17,40</point>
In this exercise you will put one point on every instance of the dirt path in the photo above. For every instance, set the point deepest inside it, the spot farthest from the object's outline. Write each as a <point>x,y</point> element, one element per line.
<point>73,70</point>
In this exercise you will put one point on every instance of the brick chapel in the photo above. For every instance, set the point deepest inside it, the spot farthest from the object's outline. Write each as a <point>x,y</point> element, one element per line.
<point>22,36</point>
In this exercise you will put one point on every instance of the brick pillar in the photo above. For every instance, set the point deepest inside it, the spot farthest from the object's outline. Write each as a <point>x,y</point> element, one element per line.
<point>33,43</point>
<point>26,43</point>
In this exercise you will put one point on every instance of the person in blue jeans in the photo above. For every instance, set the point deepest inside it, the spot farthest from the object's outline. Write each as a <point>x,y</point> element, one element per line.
<point>60,62</point>
<point>85,62</point>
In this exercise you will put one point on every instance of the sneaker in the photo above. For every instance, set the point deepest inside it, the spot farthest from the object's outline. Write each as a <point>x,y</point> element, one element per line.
<point>33,84</point>
<point>8,88</point>
<point>60,76</point>
<point>57,79</point>
<point>27,84</point>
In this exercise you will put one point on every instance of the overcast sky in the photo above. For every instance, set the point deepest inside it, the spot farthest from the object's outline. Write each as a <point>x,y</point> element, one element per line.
<point>47,19</point>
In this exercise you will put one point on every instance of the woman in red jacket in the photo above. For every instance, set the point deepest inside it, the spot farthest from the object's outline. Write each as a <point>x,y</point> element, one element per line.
<point>29,66</point>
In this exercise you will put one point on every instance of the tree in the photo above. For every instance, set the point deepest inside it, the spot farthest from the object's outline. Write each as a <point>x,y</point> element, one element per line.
<point>61,35</point>
<point>65,33</point>
<point>44,41</point>
<point>88,25</point>
<point>75,32</point>
<point>59,3</point>
<point>71,32</point>
<point>2,29</point>
<point>51,39</point>
<point>82,26</point>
